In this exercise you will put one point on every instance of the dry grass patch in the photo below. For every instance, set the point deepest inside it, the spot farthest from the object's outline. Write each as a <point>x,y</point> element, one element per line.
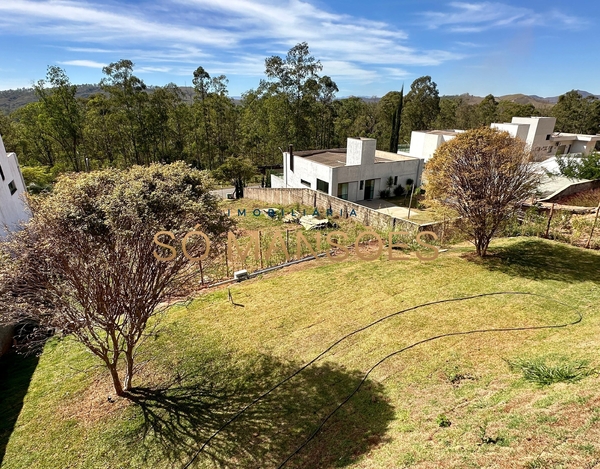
<point>211,358</point>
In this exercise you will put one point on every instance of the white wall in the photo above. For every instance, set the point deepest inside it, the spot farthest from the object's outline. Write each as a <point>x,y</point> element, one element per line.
<point>539,129</point>
<point>380,172</point>
<point>423,144</point>
<point>360,151</point>
<point>515,130</point>
<point>306,170</point>
<point>12,206</point>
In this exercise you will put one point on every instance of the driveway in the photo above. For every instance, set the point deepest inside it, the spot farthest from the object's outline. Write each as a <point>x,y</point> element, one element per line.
<point>383,206</point>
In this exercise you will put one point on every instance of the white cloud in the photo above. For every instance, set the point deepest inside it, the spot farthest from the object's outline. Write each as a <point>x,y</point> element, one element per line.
<point>83,63</point>
<point>228,37</point>
<point>477,17</point>
<point>153,69</point>
<point>82,21</point>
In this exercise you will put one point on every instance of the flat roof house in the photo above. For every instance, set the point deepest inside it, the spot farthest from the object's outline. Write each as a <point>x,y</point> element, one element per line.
<point>358,172</point>
<point>537,132</point>
<point>12,187</point>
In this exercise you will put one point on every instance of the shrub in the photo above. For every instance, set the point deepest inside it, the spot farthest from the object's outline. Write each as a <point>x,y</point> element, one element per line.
<point>398,190</point>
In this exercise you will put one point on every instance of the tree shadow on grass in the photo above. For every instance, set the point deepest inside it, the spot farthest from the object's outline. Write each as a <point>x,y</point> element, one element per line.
<point>537,259</point>
<point>181,417</point>
<point>15,375</point>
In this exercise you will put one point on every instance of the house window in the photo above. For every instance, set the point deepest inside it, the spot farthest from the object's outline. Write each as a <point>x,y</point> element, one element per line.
<point>2,173</point>
<point>13,187</point>
<point>323,186</point>
<point>548,137</point>
<point>343,190</point>
<point>362,185</point>
<point>291,162</point>
<point>304,183</point>
<point>395,180</point>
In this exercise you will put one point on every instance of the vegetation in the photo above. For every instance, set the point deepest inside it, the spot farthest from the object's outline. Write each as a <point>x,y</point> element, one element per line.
<point>590,198</point>
<point>586,167</point>
<point>421,107</point>
<point>577,114</point>
<point>121,121</point>
<point>541,372</point>
<point>85,264</point>
<point>483,175</point>
<point>211,358</point>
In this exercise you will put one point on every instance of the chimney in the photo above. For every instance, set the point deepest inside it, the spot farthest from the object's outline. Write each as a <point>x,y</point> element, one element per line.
<point>291,153</point>
<point>360,151</point>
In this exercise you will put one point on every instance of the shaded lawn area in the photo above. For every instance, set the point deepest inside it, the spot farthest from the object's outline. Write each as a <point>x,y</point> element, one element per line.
<point>211,358</point>
<point>16,372</point>
<point>530,259</point>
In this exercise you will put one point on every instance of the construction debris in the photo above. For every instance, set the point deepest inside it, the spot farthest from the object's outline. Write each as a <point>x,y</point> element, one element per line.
<point>310,222</point>
<point>293,217</point>
<point>270,212</point>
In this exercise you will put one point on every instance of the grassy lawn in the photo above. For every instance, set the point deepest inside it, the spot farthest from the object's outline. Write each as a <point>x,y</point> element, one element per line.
<point>456,402</point>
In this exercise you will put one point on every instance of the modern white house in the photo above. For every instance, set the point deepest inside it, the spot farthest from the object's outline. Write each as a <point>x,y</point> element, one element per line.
<point>537,132</point>
<point>358,172</point>
<point>13,208</point>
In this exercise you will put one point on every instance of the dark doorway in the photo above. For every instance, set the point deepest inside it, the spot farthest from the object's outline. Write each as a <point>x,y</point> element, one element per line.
<point>369,189</point>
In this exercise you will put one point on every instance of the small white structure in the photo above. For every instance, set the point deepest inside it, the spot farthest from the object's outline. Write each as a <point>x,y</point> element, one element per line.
<point>13,208</point>
<point>358,172</point>
<point>424,143</point>
<point>537,132</point>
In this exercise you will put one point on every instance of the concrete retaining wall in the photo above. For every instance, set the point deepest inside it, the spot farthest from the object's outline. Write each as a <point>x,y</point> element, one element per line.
<point>339,207</point>
<point>572,189</point>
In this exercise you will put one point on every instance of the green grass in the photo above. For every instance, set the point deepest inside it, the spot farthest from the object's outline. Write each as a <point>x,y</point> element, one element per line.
<point>211,358</point>
<point>541,372</point>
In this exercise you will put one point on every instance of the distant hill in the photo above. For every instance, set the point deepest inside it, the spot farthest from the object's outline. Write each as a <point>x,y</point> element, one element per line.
<point>585,94</point>
<point>10,100</point>
<point>519,98</point>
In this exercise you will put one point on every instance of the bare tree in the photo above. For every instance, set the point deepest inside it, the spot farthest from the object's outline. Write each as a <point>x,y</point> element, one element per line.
<point>483,174</point>
<point>85,264</point>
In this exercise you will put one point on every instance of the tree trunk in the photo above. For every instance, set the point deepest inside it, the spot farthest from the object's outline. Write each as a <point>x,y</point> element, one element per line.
<point>116,381</point>
<point>129,369</point>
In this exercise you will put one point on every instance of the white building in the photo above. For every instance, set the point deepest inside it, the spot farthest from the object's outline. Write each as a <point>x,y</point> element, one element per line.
<point>537,132</point>
<point>13,208</point>
<point>358,172</point>
<point>424,143</point>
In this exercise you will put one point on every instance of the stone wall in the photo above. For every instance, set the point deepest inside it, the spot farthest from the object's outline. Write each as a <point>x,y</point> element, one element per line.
<point>339,207</point>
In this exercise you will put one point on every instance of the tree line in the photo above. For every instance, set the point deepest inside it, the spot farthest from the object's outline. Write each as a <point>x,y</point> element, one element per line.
<point>129,124</point>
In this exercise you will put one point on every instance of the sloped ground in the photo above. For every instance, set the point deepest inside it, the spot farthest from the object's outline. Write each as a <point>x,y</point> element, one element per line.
<point>450,403</point>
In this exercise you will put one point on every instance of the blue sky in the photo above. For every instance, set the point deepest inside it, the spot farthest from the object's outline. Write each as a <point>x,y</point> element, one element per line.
<point>368,47</point>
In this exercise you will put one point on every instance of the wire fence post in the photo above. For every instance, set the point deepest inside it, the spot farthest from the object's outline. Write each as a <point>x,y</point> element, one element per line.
<point>260,247</point>
<point>593,226</point>
<point>226,265</point>
<point>549,220</point>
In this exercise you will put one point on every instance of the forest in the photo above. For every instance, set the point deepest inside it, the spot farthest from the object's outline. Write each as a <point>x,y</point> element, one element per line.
<point>128,123</point>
